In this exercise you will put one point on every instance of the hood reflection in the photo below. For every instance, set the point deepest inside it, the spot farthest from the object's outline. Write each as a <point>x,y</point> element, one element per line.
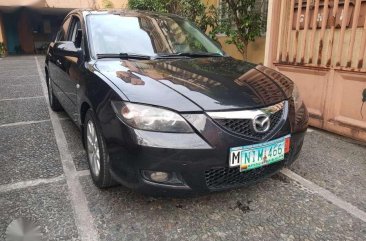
<point>211,83</point>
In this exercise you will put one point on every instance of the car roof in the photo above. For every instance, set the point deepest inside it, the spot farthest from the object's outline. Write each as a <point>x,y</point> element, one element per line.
<point>122,12</point>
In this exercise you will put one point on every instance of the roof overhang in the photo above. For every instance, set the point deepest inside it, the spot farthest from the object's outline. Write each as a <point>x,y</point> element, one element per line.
<point>23,3</point>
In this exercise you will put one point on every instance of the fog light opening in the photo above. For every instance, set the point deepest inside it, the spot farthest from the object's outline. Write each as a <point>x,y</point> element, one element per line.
<point>159,176</point>
<point>162,177</point>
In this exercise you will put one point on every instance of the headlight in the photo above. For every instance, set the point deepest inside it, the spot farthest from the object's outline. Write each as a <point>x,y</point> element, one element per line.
<point>150,118</point>
<point>297,98</point>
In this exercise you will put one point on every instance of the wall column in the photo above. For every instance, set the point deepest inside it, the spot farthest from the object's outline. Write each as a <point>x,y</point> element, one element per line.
<point>273,22</point>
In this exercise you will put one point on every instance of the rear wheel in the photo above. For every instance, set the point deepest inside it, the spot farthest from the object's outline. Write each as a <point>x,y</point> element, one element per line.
<point>98,156</point>
<point>54,103</point>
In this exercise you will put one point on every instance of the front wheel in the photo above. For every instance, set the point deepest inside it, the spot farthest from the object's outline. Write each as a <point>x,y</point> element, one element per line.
<point>98,157</point>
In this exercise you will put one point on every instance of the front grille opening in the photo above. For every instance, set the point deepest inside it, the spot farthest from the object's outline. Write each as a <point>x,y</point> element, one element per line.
<point>221,178</point>
<point>244,127</point>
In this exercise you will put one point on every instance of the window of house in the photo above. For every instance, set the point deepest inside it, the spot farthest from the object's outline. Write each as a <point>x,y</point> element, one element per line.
<point>46,26</point>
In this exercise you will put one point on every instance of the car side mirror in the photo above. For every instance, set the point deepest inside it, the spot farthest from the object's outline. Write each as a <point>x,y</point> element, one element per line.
<point>67,48</point>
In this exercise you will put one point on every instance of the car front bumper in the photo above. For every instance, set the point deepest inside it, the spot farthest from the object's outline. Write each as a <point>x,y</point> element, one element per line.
<point>200,160</point>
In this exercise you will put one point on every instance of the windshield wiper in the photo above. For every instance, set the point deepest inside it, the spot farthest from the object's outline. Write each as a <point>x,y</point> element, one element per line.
<point>190,54</point>
<point>123,56</point>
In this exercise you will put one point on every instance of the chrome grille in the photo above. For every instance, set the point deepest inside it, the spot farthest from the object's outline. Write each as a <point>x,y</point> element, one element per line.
<point>241,122</point>
<point>244,127</point>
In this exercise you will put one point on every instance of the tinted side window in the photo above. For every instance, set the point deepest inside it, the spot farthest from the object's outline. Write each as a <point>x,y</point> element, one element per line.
<point>57,38</point>
<point>61,36</point>
<point>75,26</point>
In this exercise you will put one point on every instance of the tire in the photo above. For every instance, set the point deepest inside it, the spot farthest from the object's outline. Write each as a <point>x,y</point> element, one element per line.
<point>96,150</point>
<point>54,103</point>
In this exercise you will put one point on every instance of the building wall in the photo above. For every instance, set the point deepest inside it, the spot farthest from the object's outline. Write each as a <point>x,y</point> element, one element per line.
<point>63,3</point>
<point>16,24</point>
<point>114,3</point>
<point>2,37</point>
<point>24,29</point>
<point>255,49</point>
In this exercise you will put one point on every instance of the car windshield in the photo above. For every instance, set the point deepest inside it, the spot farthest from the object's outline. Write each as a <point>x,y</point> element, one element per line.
<point>148,35</point>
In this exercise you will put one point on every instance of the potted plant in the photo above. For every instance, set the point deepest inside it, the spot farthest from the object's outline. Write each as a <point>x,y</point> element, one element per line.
<point>2,49</point>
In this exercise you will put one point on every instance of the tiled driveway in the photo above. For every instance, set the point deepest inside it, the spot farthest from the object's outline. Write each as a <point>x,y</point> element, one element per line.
<point>43,176</point>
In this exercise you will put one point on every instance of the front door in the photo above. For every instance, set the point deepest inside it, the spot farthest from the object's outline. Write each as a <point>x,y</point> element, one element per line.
<point>59,69</point>
<point>72,69</point>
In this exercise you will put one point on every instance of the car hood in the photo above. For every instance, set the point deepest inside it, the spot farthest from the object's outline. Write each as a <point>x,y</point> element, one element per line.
<point>186,84</point>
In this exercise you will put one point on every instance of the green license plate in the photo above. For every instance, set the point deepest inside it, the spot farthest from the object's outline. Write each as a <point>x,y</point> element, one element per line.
<point>258,155</point>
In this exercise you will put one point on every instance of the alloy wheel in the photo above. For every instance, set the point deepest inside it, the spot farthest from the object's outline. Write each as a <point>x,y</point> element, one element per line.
<point>93,148</point>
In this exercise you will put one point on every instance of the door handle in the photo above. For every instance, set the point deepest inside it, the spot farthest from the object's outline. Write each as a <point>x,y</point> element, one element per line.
<point>58,62</point>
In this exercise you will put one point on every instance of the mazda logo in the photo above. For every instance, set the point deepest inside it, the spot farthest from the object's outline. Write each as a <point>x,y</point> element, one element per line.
<point>261,123</point>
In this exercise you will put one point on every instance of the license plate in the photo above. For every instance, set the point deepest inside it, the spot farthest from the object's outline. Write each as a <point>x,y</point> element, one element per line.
<point>258,155</point>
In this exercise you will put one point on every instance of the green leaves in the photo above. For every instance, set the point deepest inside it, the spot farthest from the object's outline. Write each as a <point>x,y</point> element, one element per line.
<point>194,10</point>
<point>149,5</point>
<point>2,49</point>
<point>107,4</point>
<point>241,22</point>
